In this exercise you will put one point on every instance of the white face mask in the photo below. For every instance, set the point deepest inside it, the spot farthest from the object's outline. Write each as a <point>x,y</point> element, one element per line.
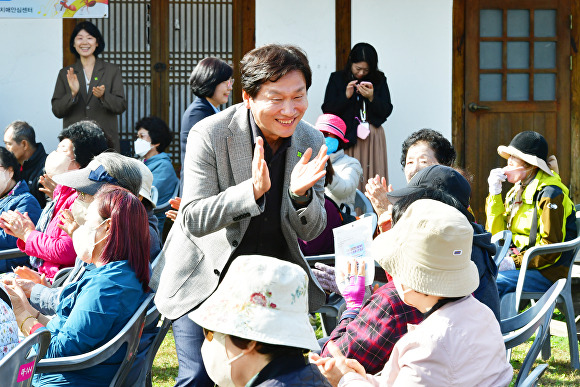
<point>56,163</point>
<point>215,359</point>
<point>142,147</point>
<point>79,210</point>
<point>399,288</point>
<point>5,177</point>
<point>84,241</point>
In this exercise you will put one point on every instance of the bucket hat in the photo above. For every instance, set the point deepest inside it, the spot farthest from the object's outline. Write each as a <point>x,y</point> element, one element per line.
<point>263,299</point>
<point>440,177</point>
<point>88,179</point>
<point>329,123</point>
<point>146,183</point>
<point>529,146</point>
<point>429,250</point>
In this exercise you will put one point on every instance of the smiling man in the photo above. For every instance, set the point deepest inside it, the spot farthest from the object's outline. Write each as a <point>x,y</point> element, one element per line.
<point>253,184</point>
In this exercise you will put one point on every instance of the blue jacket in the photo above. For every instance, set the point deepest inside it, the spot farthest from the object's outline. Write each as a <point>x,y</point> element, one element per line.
<point>481,254</point>
<point>199,109</point>
<point>19,199</point>
<point>90,313</point>
<point>164,179</point>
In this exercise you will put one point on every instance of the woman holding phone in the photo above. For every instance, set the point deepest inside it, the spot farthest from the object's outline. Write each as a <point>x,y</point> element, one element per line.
<point>360,96</point>
<point>90,89</point>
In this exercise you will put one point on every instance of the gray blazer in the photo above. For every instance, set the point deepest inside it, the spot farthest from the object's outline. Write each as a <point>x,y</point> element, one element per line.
<point>86,106</point>
<point>217,205</point>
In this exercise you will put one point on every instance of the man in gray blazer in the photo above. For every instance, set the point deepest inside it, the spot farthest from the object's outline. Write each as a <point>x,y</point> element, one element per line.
<point>250,187</point>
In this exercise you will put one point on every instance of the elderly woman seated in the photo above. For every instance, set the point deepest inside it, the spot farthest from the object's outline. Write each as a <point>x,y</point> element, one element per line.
<point>256,326</point>
<point>92,311</point>
<point>432,271</point>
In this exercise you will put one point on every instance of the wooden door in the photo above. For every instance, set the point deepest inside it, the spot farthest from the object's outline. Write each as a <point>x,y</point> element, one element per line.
<point>517,77</point>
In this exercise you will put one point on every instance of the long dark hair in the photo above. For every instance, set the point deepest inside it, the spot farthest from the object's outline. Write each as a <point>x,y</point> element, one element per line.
<point>364,52</point>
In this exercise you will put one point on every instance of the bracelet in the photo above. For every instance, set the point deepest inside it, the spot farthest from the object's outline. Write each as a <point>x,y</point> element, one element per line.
<point>37,314</point>
<point>35,327</point>
<point>22,325</point>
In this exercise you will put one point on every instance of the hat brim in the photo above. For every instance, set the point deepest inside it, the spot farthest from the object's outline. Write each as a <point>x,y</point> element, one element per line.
<point>396,195</point>
<point>388,251</point>
<point>335,132</point>
<point>270,326</point>
<point>507,151</point>
<point>79,180</point>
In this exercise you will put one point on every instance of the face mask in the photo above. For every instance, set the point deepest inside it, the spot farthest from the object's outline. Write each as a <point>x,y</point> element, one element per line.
<point>142,147</point>
<point>515,174</point>
<point>332,144</point>
<point>5,177</point>
<point>84,241</point>
<point>399,288</point>
<point>215,359</point>
<point>56,163</point>
<point>79,210</point>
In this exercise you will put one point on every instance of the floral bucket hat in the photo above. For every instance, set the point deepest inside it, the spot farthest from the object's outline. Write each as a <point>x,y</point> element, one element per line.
<point>263,299</point>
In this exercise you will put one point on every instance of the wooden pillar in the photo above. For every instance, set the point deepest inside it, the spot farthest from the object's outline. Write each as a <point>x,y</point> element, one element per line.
<point>575,103</point>
<point>342,32</point>
<point>244,38</point>
<point>160,59</point>
<point>68,25</point>
<point>458,82</point>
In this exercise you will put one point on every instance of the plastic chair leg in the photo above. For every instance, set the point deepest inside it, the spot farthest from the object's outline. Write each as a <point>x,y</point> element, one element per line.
<point>571,328</point>
<point>547,347</point>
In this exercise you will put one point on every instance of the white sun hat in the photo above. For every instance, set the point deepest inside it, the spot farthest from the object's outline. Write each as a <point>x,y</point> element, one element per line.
<point>429,250</point>
<point>263,299</point>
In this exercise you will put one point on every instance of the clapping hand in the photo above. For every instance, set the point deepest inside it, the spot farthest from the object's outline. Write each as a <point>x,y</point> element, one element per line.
<point>69,225</point>
<point>48,185</point>
<point>99,91</point>
<point>305,174</point>
<point>16,224</point>
<point>175,204</point>
<point>376,190</point>
<point>73,81</point>
<point>335,367</point>
<point>260,174</point>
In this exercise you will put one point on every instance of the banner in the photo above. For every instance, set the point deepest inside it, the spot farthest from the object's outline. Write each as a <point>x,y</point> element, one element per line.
<point>54,9</point>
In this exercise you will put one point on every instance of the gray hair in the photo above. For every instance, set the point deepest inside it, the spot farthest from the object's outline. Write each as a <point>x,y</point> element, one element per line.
<point>124,169</point>
<point>21,130</point>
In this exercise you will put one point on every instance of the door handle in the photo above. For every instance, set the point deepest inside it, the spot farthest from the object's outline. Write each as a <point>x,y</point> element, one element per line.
<point>473,107</point>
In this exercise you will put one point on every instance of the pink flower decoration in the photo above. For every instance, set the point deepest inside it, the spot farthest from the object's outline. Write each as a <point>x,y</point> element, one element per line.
<point>273,306</point>
<point>258,298</point>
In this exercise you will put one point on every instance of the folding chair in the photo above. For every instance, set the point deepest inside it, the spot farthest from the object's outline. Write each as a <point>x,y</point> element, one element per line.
<point>502,241</point>
<point>17,367</point>
<point>11,253</point>
<point>129,335</point>
<point>511,301</point>
<point>518,329</point>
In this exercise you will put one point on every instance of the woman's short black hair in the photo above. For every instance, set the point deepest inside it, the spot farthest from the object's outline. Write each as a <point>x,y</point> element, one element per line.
<point>271,350</point>
<point>8,160</point>
<point>363,52</point>
<point>158,131</point>
<point>270,63</point>
<point>88,140</point>
<point>444,151</point>
<point>91,30</point>
<point>402,204</point>
<point>209,73</point>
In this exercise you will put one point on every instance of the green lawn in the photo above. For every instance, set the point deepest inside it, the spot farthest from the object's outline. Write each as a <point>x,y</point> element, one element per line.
<point>559,372</point>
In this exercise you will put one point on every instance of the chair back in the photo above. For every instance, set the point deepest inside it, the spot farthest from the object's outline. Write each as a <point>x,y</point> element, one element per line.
<point>518,329</point>
<point>12,253</point>
<point>502,241</point>
<point>18,366</point>
<point>362,202</point>
<point>129,335</point>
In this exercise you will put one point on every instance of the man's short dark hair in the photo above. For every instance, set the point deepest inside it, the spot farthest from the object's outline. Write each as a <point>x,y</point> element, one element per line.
<point>158,131</point>
<point>444,151</point>
<point>21,130</point>
<point>91,30</point>
<point>270,63</point>
<point>8,160</point>
<point>88,140</point>
<point>209,73</point>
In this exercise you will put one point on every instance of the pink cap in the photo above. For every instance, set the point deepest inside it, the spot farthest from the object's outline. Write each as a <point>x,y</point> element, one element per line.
<point>329,123</point>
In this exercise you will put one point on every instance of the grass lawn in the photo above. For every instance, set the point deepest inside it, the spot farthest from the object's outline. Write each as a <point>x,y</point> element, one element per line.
<point>559,372</point>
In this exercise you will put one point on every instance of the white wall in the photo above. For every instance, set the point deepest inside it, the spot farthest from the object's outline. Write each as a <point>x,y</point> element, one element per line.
<point>308,24</point>
<point>414,42</point>
<point>31,58</point>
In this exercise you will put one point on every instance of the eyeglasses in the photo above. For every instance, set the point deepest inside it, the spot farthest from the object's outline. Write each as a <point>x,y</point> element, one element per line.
<point>231,82</point>
<point>208,334</point>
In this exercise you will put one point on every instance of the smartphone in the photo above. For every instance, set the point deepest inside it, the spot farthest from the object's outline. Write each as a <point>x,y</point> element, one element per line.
<point>367,84</point>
